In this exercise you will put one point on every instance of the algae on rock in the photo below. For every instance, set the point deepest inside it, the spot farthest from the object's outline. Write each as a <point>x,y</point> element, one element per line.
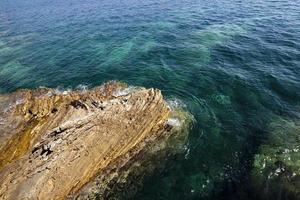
<point>276,172</point>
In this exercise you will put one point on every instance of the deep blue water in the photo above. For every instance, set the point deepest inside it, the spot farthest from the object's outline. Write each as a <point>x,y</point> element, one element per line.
<point>235,64</point>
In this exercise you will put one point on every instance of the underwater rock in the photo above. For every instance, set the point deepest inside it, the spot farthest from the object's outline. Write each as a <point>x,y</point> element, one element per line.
<point>85,143</point>
<point>276,172</point>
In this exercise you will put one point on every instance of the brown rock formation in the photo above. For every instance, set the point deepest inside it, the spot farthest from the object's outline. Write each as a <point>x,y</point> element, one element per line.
<point>56,145</point>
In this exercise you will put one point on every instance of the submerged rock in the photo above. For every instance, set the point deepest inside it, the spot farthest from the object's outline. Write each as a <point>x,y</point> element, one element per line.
<point>276,172</point>
<point>85,144</point>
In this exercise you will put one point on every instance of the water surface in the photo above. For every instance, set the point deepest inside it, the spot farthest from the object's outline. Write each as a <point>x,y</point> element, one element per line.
<point>234,64</point>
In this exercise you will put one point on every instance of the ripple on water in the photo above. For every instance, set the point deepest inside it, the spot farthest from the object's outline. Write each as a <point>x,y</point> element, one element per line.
<point>218,34</point>
<point>233,64</point>
<point>14,73</point>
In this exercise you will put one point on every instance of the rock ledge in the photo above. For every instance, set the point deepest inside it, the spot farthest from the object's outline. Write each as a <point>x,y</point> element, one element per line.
<point>57,145</point>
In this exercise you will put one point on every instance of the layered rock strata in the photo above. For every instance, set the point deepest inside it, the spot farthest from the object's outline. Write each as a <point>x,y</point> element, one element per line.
<point>57,145</point>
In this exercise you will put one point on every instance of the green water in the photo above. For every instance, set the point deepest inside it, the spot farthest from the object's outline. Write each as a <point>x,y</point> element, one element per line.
<point>234,64</point>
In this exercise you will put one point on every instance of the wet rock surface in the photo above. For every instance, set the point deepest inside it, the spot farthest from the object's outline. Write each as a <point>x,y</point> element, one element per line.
<point>84,144</point>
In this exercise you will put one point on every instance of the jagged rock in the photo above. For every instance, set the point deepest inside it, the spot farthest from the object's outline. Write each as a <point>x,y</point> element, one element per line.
<point>56,145</point>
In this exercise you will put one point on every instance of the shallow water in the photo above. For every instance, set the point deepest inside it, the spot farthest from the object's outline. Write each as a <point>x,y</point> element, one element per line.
<point>234,64</point>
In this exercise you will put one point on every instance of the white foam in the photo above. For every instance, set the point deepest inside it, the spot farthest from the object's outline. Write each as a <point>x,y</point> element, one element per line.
<point>125,91</point>
<point>59,90</point>
<point>175,103</point>
<point>173,122</point>
<point>186,156</point>
<point>82,87</point>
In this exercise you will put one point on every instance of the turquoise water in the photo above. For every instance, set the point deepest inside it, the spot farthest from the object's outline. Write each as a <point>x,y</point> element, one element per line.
<point>234,64</point>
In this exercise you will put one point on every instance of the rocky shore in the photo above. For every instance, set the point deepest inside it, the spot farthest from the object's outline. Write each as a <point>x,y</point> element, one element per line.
<point>87,144</point>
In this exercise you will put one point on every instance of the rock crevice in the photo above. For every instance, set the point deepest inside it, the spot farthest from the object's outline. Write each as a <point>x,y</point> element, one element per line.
<point>52,144</point>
